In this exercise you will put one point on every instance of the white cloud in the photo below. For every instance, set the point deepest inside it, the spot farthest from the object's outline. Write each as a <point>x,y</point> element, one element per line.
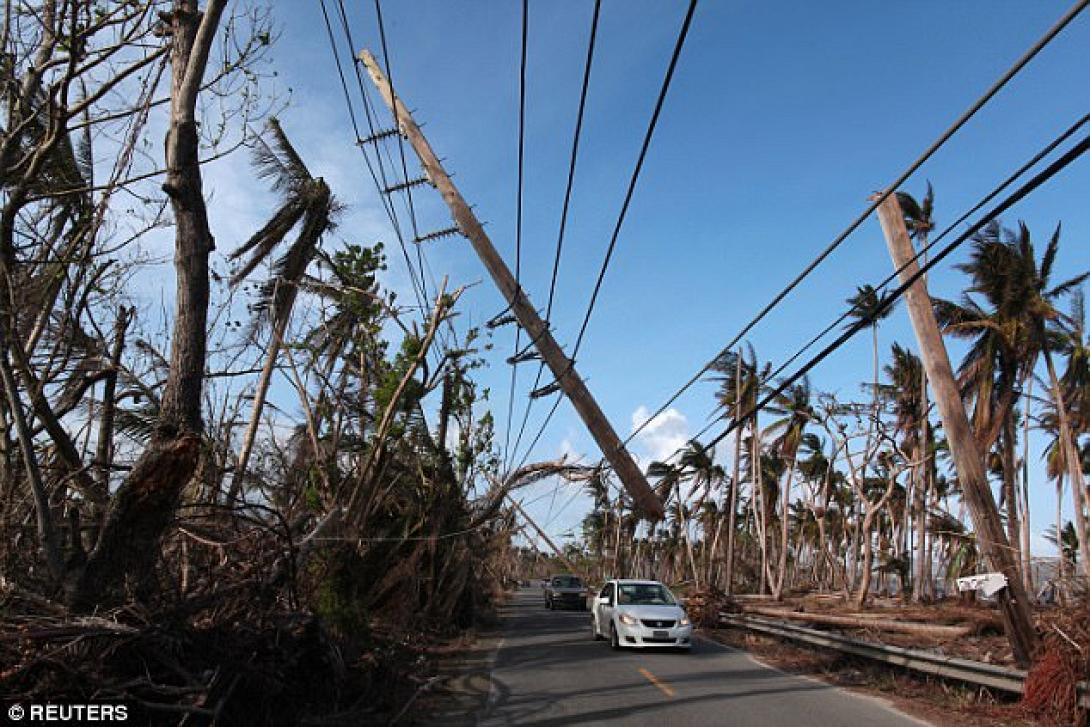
<point>567,448</point>
<point>663,436</point>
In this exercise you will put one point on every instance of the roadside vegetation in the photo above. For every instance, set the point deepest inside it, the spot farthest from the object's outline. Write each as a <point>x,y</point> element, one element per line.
<point>177,535</point>
<point>172,537</point>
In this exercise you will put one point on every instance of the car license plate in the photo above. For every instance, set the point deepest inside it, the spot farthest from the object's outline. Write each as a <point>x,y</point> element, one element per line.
<point>661,635</point>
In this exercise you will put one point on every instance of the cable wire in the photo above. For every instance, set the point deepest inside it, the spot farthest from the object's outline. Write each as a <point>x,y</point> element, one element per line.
<point>1026,57</point>
<point>567,200</point>
<point>919,255</point>
<point>386,205</point>
<point>682,34</point>
<point>887,301</point>
<point>400,141</point>
<point>518,226</point>
<point>636,173</point>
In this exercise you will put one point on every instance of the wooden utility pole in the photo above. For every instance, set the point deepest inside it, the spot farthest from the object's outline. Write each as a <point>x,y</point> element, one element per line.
<point>561,366</point>
<point>1013,601</point>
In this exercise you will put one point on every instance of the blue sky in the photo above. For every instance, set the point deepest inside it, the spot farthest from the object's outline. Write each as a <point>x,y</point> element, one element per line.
<point>779,123</point>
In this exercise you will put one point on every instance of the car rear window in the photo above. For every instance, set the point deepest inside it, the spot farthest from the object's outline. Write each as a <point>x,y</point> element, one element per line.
<point>567,582</point>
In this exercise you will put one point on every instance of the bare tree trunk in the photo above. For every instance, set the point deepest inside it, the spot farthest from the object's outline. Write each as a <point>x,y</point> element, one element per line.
<point>1061,568</point>
<point>47,530</point>
<point>762,534</point>
<point>144,505</point>
<point>921,582</point>
<point>1010,494</point>
<point>735,485</point>
<point>282,318</point>
<point>1027,556</point>
<point>781,570</point>
<point>104,450</point>
<point>1074,466</point>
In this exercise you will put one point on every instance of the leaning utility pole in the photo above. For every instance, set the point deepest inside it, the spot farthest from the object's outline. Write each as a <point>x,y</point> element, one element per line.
<point>562,367</point>
<point>544,536</point>
<point>1013,601</point>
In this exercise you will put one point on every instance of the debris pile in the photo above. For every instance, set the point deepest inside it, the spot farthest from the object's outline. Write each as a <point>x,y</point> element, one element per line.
<point>1051,690</point>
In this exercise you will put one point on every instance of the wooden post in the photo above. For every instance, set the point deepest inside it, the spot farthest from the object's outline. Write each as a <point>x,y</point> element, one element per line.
<point>1013,601</point>
<point>561,366</point>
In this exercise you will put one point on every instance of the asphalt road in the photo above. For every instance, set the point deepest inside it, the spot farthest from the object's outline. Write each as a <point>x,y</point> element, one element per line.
<point>549,671</point>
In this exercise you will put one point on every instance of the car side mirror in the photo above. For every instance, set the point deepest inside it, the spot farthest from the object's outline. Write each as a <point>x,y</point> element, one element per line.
<point>603,600</point>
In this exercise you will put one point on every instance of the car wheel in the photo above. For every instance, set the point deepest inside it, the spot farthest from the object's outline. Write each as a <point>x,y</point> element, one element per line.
<point>614,641</point>
<point>594,629</point>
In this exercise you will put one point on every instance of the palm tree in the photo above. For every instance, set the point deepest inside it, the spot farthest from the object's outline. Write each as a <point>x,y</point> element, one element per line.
<point>1007,337</point>
<point>867,306</point>
<point>699,462</point>
<point>793,406</point>
<point>306,204</point>
<point>1067,544</point>
<point>904,391</point>
<point>739,389</point>
<point>1070,336</point>
<point>670,477</point>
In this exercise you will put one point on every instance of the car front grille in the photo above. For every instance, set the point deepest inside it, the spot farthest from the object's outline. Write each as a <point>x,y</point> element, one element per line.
<point>655,624</point>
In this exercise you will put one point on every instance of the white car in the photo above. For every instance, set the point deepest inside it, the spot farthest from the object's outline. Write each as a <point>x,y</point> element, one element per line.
<point>634,613</point>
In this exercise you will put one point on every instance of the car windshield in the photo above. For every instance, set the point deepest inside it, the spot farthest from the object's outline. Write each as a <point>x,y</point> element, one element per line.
<point>644,594</point>
<point>567,582</point>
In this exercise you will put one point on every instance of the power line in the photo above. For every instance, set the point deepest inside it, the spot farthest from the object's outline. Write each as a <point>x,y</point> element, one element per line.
<point>919,255</point>
<point>386,204</point>
<point>518,225</point>
<point>885,302</point>
<point>1068,133</point>
<point>567,200</point>
<point>636,172</point>
<point>682,34</point>
<point>371,115</point>
<point>400,141</point>
<point>1026,57</point>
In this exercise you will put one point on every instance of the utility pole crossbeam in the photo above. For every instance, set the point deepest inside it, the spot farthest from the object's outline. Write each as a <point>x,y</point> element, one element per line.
<point>1013,600</point>
<point>561,366</point>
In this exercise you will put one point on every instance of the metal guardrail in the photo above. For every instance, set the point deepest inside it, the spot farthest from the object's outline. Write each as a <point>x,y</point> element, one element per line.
<point>948,667</point>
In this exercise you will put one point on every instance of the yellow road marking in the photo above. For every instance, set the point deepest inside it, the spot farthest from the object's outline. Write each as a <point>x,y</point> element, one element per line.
<point>655,680</point>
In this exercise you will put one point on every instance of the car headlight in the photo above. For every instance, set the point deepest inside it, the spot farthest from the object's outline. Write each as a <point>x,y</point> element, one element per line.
<point>626,619</point>
<point>684,621</point>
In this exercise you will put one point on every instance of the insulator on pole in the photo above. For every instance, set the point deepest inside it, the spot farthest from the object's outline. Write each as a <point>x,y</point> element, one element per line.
<point>501,320</point>
<point>545,390</point>
<point>377,137</point>
<point>527,354</point>
<point>438,234</point>
<point>406,185</point>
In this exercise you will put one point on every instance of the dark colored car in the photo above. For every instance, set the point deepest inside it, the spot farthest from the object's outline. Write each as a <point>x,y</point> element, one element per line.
<point>566,590</point>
